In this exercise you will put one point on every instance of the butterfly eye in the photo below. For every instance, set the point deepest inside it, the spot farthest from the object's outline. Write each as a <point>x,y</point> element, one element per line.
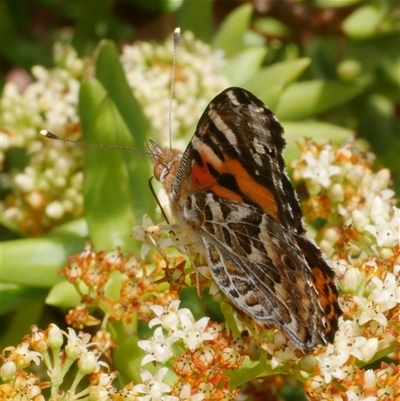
<point>160,171</point>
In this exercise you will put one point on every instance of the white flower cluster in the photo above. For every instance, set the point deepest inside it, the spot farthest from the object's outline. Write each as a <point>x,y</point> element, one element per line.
<point>281,349</point>
<point>318,171</point>
<point>48,189</point>
<point>380,227</point>
<point>50,101</point>
<point>179,325</point>
<point>342,185</point>
<point>368,332</point>
<point>344,174</point>
<point>197,80</point>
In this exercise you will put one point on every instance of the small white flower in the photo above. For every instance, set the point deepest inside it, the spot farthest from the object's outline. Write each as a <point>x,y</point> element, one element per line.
<point>186,394</point>
<point>385,231</point>
<point>281,350</point>
<point>384,228</point>
<point>8,371</point>
<point>139,233</point>
<point>352,280</point>
<point>27,355</point>
<point>370,311</point>
<point>331,364</point>
<point>347,339</point>
<point>54,337</point>
<point>359,220</point>
<point>369,349</point>
<point>153,387</point>
<point>168,317</point>
<point>26,182</point>
<point>55,210</point>
<point>340,266</point>
<point>377,208</point>
<point>193,333</point>
<point>76,343</point>
<point>158,348</point>
<point>369,379</point>
<point>352,396</point>
<point>387,293</point>
<point>88,362</point>
<point>321,169</point>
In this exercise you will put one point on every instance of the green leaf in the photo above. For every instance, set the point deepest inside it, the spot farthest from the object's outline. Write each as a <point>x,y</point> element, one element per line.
<point>390,68</point>
<point>230,35</point>
<point>35,262</point>
<point>242,66</point>
<point>128,355</point>
<point>309,98</point>
<point>197,17</point>
<point>335,3</point>
<point>63,295</point>
<point>269,82</point>
<point>317,131</point>
<point>91,94</point>
<point>110,201</point>
<point>118,184</point>
<point>23,317</point>
<point>365,22</point>
<point>111,75</point>
<point>370,53</point>
<point>13,296</point>
<point>159,6</point>
<point>271,26</point>
<point>378,124</point>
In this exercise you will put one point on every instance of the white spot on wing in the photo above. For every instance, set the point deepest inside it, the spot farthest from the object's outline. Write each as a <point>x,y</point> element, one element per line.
<point>233,98</point>
<point>258,146</point>
<point>215,208</point>
<point>257,159</point>
<point>219,123</point>
<point>201,146</point>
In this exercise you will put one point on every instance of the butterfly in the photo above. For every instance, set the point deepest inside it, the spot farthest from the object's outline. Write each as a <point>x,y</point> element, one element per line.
<point>230,191</point>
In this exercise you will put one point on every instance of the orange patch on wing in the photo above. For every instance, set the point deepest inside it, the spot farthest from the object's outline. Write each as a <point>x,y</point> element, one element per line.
<point>226,193</point>
<point>201,177</point>
<point>327,296</point>
<point>253,190</point>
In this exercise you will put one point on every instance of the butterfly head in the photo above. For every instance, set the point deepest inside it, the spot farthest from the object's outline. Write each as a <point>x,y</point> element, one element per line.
<point>166,162</point>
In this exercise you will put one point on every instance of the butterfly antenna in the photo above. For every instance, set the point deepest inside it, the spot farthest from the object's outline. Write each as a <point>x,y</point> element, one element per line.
<point>50,135</point>
<point>177,35</point>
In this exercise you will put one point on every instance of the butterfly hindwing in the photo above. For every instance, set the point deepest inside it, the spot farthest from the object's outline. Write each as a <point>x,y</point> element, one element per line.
<point>248,258</point>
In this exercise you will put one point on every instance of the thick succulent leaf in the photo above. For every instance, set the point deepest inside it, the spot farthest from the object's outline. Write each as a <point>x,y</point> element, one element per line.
<point>229,38</point>
<point>310,98</point>
<point>269,83</point>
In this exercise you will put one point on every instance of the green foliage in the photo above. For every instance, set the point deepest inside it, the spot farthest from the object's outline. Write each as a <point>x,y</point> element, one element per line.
<point>325,88</point>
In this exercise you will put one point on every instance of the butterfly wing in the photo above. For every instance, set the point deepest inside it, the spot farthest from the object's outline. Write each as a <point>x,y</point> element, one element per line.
<point>236,152</point>
<point>259,266</point>
<point>232,185</point>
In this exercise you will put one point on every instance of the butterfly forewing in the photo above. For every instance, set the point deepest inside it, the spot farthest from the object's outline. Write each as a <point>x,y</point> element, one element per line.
<point>238,146</point>
<point>231,190</point>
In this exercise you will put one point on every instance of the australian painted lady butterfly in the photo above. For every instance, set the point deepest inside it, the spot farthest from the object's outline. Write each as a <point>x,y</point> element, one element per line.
<point>230,190</point>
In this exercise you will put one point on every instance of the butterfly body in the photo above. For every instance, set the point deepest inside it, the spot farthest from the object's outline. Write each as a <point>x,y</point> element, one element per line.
<point>229,189</point>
